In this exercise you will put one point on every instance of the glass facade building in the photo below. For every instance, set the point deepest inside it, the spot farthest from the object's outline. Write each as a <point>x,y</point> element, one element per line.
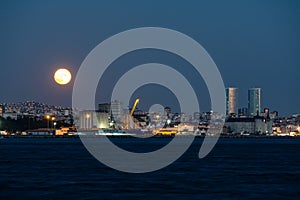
<point>254,104</point>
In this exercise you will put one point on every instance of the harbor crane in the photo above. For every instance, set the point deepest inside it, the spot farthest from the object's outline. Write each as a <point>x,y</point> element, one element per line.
<point>134,106</point>
<point>128,123</point>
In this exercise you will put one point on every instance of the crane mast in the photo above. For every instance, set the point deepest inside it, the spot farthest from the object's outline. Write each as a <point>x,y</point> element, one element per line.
<point>134,106</point>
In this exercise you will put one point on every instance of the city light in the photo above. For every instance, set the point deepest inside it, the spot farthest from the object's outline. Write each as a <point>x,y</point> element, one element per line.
<point>48,118</point>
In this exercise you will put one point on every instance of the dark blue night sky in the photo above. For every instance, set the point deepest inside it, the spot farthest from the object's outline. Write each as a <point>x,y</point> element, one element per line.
<point>254,43</point>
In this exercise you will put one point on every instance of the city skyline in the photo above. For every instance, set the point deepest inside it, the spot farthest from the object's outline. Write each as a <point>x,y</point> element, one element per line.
<point>249,50</point>
<point>149,99</point>
<point>232,107</point>
<point>232,104</point>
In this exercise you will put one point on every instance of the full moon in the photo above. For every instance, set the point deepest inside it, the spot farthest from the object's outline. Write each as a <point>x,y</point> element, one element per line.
<point>62,76</point>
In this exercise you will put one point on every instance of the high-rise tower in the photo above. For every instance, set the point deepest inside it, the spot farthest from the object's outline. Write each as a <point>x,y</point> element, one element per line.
<point>231,101</point>
<point>254,104</point>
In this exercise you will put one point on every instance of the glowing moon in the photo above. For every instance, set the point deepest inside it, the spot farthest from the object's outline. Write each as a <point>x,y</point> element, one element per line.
<point>62,76</point>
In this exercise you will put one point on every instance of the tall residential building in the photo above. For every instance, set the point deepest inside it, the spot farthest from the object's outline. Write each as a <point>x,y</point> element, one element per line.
<point>231,101</point>
<point>254,97</point>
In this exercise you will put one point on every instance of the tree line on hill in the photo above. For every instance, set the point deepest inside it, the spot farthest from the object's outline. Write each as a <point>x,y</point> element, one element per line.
<point>27,123</point>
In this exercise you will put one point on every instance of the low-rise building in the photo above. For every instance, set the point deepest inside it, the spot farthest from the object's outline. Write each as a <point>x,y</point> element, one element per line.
<point>252,125</point>
<point>40,132</point>
<point>62,131</point>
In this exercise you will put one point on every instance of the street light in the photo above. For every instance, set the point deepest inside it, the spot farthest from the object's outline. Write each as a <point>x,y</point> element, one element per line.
<point>156,121</point>
<point>48,118</point>
<point>53,118</point>
<point>87,116</point>
<point>169,121</point>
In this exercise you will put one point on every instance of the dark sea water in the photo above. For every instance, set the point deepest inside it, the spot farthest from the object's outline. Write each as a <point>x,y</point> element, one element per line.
<point>61,168</point>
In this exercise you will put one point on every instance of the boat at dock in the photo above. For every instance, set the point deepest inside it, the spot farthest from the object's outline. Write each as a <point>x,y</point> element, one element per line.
<point>112,132</point>
<point>103,132</point>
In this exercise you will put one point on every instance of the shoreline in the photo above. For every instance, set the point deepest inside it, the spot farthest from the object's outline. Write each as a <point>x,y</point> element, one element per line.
<point>129,136</point>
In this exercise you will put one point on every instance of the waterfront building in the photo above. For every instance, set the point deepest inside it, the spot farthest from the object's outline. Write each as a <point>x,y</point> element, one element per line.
<point>89,119</point>
<point>231,101</point>
<point>252,125</point>
<point>115,109</point>
<point>40,132</point>
<point>254,101</point>
<point>117,112</point>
